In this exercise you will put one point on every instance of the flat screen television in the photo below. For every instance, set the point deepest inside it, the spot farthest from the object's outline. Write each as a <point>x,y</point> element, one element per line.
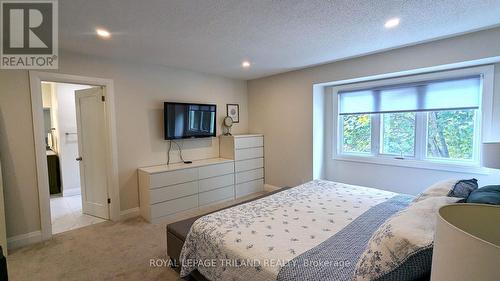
<point>189,120</point>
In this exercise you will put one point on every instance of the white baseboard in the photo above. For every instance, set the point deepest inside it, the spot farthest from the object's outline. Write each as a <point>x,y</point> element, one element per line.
<point>269,188</point>
<point>36,236</point>
<point>129,213</point>
<point>24,239</point>
<point>71,191</point>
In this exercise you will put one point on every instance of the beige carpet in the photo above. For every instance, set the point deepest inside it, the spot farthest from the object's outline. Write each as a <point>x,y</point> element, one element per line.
<point>104,251</point>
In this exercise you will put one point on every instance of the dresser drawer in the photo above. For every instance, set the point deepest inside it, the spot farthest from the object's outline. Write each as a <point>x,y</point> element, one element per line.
<point>214,183</point>
<point>215,195</point>
<point>216,170</point>
<point>246,188</point>
<point>249,175</point>
<point>248,153</point>
<point>174,206</point>
<point>173,192</point>
<point>251,164</point>
<point>248,142</point>
<point>173,177</point>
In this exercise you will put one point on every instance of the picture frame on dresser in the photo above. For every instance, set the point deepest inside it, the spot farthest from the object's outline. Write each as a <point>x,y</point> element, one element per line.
<point>233,111</point>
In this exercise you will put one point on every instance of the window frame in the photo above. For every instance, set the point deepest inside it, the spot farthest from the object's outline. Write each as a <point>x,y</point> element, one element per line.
<point>482,122</point>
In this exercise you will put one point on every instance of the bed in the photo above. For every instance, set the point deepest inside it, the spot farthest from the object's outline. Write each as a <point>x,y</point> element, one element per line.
<point>317,230</point>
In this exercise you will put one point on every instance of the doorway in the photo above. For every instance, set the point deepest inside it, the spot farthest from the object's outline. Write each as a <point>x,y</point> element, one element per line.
<point>74,126</point>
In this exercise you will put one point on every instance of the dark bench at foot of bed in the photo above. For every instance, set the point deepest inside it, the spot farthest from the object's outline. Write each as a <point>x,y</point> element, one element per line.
<point>178,231</point>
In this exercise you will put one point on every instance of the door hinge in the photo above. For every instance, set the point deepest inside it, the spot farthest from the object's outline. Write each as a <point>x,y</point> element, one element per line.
<point>109,200</point>
<point>103,98</point>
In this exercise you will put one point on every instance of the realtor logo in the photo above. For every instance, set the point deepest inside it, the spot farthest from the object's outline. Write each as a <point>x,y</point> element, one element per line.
<point>29,35</point>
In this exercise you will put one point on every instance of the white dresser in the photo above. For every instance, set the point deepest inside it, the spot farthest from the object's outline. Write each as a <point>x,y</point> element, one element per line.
<point>248,154</point>
<point>168,189</point>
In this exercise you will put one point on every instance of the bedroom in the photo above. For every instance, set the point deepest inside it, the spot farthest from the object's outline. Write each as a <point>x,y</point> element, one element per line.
<point>251,54</point>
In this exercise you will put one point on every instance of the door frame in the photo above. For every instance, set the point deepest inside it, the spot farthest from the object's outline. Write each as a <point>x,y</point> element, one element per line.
<point>36,78</point>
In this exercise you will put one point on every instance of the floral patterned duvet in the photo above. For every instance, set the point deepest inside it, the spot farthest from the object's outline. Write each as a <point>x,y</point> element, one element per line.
<point>253,241</point>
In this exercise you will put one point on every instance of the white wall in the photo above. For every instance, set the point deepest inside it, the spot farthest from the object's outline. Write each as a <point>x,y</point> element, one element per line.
<point>140,91</point>
<point>398,179</point>
<point>46,95</point>
<point>65,114</point>
<point>277,101</point>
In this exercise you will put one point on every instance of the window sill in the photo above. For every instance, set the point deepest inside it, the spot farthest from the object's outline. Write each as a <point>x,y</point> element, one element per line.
<point>418,164</point>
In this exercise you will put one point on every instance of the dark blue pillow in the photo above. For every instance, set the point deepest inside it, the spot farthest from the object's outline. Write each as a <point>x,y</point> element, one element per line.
<point>485,195</point>
<point>463,188</point>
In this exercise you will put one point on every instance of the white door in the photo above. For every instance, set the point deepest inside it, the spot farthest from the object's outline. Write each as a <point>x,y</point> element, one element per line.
<point>90,120</point>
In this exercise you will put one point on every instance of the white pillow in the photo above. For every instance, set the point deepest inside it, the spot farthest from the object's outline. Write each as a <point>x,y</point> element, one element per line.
<point>451,187</point>
<point>441,188</point>
<point>401,248</point>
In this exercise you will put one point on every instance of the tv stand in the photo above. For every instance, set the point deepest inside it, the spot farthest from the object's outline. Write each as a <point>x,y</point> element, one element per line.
<point>165,190</point>
<point>168,189</point>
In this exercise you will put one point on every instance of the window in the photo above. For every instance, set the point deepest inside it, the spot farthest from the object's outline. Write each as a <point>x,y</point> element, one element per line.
<point>430,121</point>
<point>450,134</point>
<point>398,134</point>
<point>356,133</point>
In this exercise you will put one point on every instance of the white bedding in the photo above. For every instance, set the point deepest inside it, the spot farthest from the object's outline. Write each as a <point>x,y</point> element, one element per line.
<point>253,240</point>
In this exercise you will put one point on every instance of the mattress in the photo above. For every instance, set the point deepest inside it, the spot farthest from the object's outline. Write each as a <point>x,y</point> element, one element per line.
<point>315,231</point>
<point>178,231</point>
<point>264,239</point>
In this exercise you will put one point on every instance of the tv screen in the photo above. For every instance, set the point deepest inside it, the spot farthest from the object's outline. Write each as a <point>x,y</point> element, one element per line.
<point>189,120</point>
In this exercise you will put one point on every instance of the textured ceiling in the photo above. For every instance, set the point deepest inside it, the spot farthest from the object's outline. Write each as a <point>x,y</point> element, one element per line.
<point>215,36</point>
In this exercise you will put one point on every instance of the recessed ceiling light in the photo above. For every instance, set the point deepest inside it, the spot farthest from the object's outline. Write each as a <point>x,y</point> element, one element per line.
<point>103,33</point>
<point>392,23</point>
<point>245,64</point>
